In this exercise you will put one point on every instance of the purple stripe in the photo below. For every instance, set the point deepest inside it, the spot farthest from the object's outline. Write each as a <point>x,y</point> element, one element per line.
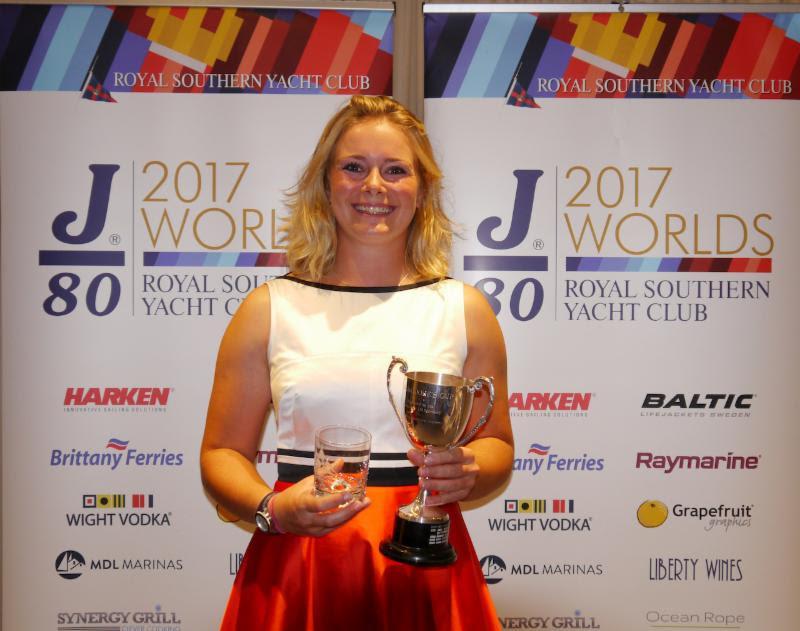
<point>40,49</point>
<point>553,64</point>
<point>434,25</point>
<point>669,264</point>
<point>192,259</point>
<point>129,58</point>
<point>465,56</point>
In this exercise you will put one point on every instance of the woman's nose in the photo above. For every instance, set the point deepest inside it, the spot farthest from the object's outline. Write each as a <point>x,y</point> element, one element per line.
<point>373,182</point>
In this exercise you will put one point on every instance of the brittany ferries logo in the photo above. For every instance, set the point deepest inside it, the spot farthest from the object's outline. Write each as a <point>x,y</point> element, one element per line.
<point>540,459</point>
<point>116,454</point>
<point>549,404</point>
<point>126,399</point>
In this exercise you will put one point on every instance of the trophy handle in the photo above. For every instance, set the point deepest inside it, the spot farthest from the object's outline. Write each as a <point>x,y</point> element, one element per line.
<point>403,369</point>
<point>476,385</point>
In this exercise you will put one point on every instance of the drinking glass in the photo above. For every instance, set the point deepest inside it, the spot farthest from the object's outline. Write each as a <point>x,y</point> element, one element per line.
<point>341,460</point>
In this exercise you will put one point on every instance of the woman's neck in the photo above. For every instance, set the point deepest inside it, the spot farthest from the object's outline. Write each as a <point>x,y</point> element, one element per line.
<point>379,268</point>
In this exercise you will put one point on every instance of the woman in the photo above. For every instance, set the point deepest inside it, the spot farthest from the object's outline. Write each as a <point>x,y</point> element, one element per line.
<point>367,248</point>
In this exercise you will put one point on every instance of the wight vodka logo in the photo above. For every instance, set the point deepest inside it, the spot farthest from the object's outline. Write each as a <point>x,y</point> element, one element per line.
<point>540,524</point>
<point>99,510</point>
<point>117,454</point>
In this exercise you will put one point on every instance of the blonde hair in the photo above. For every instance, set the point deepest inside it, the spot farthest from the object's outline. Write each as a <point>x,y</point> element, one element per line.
<point>310,230</point>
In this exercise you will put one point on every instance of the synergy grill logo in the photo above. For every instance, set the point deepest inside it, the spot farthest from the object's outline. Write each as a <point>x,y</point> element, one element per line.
<point>109,510</point>
<point>575,621</point>
<point>156,620</point>
<point>668,464</point>
<point>714,405</point>
<point>560,523</point>
<point>539,459</point>
<point>653,513</point>
<point>127,399</point>
<point>549,404</point>
<point>71,564</point>
<point>117,454</point>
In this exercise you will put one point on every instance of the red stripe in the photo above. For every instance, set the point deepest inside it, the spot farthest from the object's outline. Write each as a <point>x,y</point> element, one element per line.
<point>787,66</point>
<point>765,266</point>
<point>294,44</point>
<point>211,19</point>
<point>747,43</point>
<point>380,74</point>
<point>323,43</point>
<point>272,47</point>
<point>694,51</point>
<point>139,23</point>
<point>634,23</point>
<point>179,12</point>
<point>739,265</point>
<point>152,64</point>
<point>362,59</point>
<point>248,25</point>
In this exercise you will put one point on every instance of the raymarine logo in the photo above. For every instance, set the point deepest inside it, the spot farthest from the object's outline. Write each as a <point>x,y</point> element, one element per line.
<point>549,404</point>
<point>83,397</point>
<point>668,464</point>
<point>116,454</point>
<point>657,404</point>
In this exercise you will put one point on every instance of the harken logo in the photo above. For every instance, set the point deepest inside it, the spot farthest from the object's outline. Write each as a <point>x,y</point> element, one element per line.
<point>70,564</point>
<point>549,403</point>
<point>116,399</point>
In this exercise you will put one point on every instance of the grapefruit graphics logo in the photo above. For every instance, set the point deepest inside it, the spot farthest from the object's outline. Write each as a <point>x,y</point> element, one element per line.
<point>70,564</point>
<point>549,404</point>
<point>652,513</point>
<point>120,399</point>
<point>539,459</point>
<point>117,454</point>
<point>713,405</point>
<point>493,568</point>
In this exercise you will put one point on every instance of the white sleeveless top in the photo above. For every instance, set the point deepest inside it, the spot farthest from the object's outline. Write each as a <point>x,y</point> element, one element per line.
<point>329,350</point>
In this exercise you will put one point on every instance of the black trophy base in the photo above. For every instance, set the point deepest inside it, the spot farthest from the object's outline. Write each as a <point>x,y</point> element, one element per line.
<point>419,543</point>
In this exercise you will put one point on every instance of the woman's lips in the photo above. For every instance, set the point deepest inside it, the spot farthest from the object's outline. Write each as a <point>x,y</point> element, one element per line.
<point>373,209</point>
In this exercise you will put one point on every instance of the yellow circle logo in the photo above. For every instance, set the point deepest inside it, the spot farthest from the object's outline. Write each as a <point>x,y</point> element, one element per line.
<point>652,513</point>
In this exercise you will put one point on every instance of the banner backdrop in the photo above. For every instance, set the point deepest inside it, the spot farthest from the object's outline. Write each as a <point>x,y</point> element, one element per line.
<point>134,220</point>
<point>626,185</point>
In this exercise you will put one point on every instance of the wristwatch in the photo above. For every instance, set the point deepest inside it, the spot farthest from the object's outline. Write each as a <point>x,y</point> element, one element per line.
<point>264,519</point>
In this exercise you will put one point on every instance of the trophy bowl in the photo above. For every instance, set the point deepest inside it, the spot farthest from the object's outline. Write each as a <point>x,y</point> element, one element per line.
<point>436,411</point>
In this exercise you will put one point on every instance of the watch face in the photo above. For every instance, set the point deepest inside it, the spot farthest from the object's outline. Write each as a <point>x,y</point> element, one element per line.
<point>262,523</point>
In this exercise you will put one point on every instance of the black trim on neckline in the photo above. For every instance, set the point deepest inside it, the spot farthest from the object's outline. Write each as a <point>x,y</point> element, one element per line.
<point>364,290</point>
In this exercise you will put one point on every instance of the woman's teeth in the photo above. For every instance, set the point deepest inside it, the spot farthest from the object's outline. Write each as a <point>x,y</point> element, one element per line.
<point>373,210</point>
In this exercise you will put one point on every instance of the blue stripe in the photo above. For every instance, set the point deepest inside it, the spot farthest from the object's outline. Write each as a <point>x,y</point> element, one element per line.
<point>509,58</point>
<point>377,22</point>
<point>62,47</point>
<point>87,47</point>
<point>485,59</point>
<point>40,48</point>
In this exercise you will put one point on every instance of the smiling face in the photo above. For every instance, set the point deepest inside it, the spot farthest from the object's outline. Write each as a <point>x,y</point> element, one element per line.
<point>373,183</point>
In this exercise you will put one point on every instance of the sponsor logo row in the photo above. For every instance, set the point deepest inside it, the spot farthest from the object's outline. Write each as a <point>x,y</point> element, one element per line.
<point>541,458</point>
<point>673,404</point>
<point>671,569</point>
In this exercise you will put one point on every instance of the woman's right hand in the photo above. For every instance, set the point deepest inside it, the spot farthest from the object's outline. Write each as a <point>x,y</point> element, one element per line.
<point>300,511</point>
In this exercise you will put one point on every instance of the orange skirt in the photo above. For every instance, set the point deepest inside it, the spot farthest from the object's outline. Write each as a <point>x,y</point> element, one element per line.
<point>342,581</point>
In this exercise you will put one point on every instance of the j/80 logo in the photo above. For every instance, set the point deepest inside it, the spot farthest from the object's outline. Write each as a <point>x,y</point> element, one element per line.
<point>62,299</point>
<point>494,288</point>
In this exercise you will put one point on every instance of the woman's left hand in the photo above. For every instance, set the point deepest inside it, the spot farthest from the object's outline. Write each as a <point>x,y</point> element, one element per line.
<point>448,475</point>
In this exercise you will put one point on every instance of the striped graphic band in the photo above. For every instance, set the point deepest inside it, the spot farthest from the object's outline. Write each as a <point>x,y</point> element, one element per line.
<point>385,469</point>
<point>668,264</point>
<point>214,259</point>
<point>497,263</point>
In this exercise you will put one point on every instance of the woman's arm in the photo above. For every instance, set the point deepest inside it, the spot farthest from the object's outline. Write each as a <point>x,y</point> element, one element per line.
<point>484,464</point>
<point>240,400</point>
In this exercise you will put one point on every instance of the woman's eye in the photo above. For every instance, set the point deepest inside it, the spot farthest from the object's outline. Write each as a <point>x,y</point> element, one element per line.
<point>396,170</point>
<point>352,167</point>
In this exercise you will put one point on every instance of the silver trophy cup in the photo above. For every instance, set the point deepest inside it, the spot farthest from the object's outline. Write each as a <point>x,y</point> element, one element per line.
<point>435,415</point>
